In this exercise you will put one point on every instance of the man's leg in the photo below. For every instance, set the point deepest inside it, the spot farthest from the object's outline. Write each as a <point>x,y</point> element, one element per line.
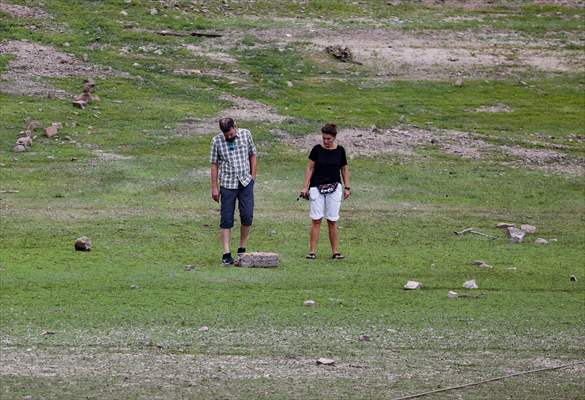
<point>246,208</point>
<point>228,205</point>
<point>225,238</point>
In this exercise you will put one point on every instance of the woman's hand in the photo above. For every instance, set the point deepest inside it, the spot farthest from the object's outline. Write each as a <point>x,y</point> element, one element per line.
<point>305,193</point>
<point>346,193</point>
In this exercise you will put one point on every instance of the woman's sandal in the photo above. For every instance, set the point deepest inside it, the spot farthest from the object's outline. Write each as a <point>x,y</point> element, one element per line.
<point>311,256</point>
<point>337,256</point>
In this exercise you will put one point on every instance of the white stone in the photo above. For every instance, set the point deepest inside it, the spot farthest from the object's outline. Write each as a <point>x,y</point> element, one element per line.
<point>528,228</point>
<point>470,284</point>
<point>309,303</point>
<point>516,235</point>
<point>412,285</point>
<point>452,294</point>
<point>541,241</point>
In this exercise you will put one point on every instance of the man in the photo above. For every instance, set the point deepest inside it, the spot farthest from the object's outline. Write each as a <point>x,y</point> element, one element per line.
<point>233,161</point>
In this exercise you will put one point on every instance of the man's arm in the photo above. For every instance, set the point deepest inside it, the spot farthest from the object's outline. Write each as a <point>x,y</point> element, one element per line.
<point>253,166</point>
<point>214,182</point>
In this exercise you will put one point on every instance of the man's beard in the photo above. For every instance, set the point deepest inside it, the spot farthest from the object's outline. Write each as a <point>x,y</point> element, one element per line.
<point>230,139</point>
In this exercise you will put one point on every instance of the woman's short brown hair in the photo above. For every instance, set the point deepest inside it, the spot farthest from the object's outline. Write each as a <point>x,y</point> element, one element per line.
<point>329,129</point>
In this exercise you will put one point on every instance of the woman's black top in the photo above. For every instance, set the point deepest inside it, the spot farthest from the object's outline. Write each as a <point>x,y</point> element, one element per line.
<point>328,164</point>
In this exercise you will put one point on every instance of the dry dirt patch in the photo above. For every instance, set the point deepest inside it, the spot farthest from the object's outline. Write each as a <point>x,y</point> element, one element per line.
<point>405,141</point>
<point>242,109</point>
<point>17,11</point>
<point>33,61</point>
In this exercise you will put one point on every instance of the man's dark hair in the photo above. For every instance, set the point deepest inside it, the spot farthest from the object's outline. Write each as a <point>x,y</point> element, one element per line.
<point>329,129</point>
<point>225,124</point>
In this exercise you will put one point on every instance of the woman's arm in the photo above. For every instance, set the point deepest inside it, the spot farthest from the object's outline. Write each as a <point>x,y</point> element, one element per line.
<point>308,174</point>
<point>345,176</point>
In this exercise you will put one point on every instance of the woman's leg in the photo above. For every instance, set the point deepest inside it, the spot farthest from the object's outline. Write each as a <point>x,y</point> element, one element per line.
<point>333,237</point>
<point>314,237</point>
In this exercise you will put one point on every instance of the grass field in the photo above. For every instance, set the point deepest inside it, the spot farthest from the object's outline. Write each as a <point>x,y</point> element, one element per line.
<point>131,172</point>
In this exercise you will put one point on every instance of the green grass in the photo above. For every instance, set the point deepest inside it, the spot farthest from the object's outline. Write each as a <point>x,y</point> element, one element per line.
<point>128,314</point>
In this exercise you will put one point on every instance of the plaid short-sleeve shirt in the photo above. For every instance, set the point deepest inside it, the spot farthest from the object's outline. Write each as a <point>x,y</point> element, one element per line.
<point>233,158</point>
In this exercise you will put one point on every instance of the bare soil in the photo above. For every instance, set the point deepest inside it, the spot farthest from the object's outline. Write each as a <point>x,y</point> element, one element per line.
<point>32,62</point>
<point>18,11</point>
<point>405,141</point>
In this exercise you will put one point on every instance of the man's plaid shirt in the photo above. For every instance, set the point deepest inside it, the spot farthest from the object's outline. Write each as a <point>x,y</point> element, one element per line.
<point>233,158</point>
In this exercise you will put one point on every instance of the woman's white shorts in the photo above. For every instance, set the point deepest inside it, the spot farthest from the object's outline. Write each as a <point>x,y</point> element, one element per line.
<point>325,205</point>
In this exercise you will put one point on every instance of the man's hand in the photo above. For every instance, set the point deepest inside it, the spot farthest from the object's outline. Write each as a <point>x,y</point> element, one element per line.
<point>215,194</point>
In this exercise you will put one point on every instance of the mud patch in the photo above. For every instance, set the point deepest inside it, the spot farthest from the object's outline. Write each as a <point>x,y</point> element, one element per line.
<point>32,62</point>
<point>242,110</point>
<point>407,141</point>
<point>17,11</point>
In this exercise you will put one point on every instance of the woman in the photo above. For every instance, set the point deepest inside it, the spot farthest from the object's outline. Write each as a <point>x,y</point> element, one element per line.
<point>322,186</point>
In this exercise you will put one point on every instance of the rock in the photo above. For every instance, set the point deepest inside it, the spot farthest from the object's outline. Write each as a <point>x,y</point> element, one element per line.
<point>48,333</point>
<point>134,287</point>
<point>79,104</point>
<point>364,338</point>
<point>51,131</point>
<point>541,241</point>
<point>289,84</point>
<point>153,11</point>
<point>516,235</point>
<point>505,225</point>
<point>124,13</point>
<point>470,284</point>
<point>257,260</point>
<point>374,129</point>
<point>188,268</point>
<point>83,244</point>
<point>325,361</point>
<point>459,82</point>
<point>309,303</point>
<point>19,148</point>
<point>204,329</point>
<point>341,53</point>
<point>528,228</point>
<point>573,278</point>
<point>25,141</point>
<point>412,285</point>
<point>452,294</point>
<point>481,264</point>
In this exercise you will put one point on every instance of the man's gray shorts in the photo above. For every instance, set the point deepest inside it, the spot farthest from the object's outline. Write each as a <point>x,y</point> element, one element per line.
<point>245,197</point>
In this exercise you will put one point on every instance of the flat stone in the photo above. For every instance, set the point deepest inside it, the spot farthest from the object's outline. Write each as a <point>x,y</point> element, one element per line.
<point>309,303</point>
<point>364,338</point>
<point>412,285</point>
<point>504,225</point>
<point>204,329</point>
<point>452,294</point>
<point>257,260</point>
<point>541,241</point>
<point>470,284</point>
